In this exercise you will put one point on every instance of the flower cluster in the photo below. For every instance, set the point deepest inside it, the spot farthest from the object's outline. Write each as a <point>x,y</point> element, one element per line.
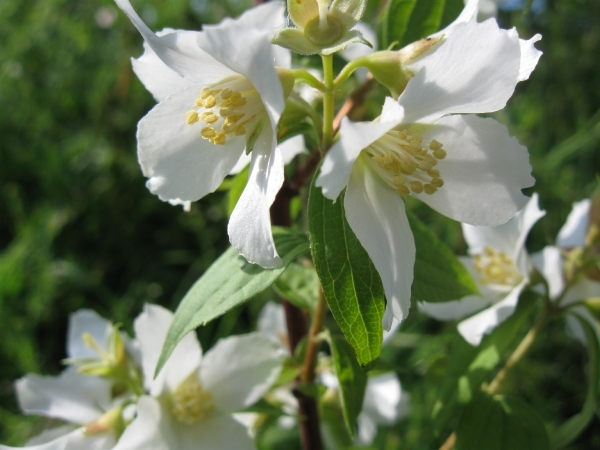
<point>192,399</point>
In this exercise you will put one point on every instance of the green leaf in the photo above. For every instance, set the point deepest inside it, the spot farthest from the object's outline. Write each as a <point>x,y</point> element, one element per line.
<point>470,366</point>
<point>351,377</point>
<point>568,431</point>
<point>228,282</point>
<point>300,285</point>
<point>351,285</point>
<point>500,423</point>
<point>406,21</point>
<point>439,276</point>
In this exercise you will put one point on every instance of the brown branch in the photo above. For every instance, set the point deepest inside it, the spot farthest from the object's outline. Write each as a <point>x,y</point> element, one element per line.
<point>356,99</point>
<point>296,324</point>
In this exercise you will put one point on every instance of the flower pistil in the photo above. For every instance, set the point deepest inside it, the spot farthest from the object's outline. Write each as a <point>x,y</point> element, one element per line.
<point>496,267</point>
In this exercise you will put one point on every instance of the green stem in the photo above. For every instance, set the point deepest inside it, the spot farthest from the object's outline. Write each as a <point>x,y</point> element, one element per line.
<point>307,78</point>
<point>348,70</point>
<point>328,103</point>
<point>312,347</point>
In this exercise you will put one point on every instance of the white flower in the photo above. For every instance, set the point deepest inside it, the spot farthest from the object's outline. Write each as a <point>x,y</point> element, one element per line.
<point>463,166</point>
<point>85,402</point>
<point>384,402</point>
<point>191,401</point>
<point>551,264</point>
<point>219,94</point>
<point>500,266</point>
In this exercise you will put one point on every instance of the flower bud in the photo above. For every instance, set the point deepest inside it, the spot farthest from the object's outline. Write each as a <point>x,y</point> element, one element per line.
<point>111,420</point>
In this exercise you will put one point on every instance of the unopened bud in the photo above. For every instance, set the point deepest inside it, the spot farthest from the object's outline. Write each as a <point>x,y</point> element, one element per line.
<point>111,420</point>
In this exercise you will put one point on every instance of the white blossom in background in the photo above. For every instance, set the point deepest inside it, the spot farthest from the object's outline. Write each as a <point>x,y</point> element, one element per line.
<point>219,94</point>
<point>425,145</point>
<point>551,264</point>
<point>84,402</point>
<point>191,402</point>
<point>500,266</point>
<point>384,403</point>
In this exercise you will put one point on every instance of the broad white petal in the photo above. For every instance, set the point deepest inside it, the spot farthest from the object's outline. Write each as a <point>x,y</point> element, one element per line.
<point>474,328</point>
<point>509,237</point>
<point>354,137</point>
<point>271,322</point>
<point>474,70</point>
<point>268,17</point>
<point>70,396</point>
<point>218,432</point>
<point>50,435</point>
<point>150,430</point>
<point>367,429</point>
<point>156,76</point>
<point>244,160</point>
<point>377,216</point>
<point>151,330</point>
<point>249,226</point>
<point>382,397</point>
<point>291,148</point>
<point>583,289</point>
<point>248,51</point>
<point>483,173</point>
<point>86,321</point>
<point>179,50</point>
<point>387,335</point>
<point>574,327</point>
<point>75,440</point>
<point>238,370</point>
<point>529,54</point>
<point>572,234</point>
<point>456,309</point>
<point>549,263</point>
<point>180,164</point>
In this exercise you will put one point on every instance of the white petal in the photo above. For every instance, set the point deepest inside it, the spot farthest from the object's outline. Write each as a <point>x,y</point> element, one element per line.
<point>367,429</point>
<point>483,173</point>
<point>248,51</point>
<point>377,216</point>
<point>86,321</point>
<point>218,432</point>
<point>150,430</point>
<point>75,440</point>
<point>529,55</point>
<point>178,50</point>
<point>387,335</point>
<point>50,435</point>
<point>354,136</point>
<point>583,289</point>
<point>268,17</point>
<point>382,397</point>
<point>509,237</point>
<point>572,234</point>
<point>244,160</point>
<point>549,263</point>
<point>156,76</point>
<point>70,396</point>
<point>180,164</point>
<point>456,309</point>
<point>271,322</point>
<point>574,327</point>
<point>238,370</point>
<point>474,328</point>
<point>291,148</point>
<point>151,330</point>
<point>249,226</point>
<point>474,70</point>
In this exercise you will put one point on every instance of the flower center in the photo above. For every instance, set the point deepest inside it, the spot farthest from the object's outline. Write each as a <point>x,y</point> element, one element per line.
<point>406,163</point>
<point>230,108</point>
<point>190,403</point>
<point>496,267</point>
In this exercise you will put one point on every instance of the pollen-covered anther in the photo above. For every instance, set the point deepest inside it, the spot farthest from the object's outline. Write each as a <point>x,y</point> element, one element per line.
<point>407,163</point>
<point>230,107</point>
<point>190,403</point>
<point>496,267</point>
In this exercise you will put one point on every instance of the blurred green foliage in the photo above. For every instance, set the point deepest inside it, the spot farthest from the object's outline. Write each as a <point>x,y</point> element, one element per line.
<point>80,230</point>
